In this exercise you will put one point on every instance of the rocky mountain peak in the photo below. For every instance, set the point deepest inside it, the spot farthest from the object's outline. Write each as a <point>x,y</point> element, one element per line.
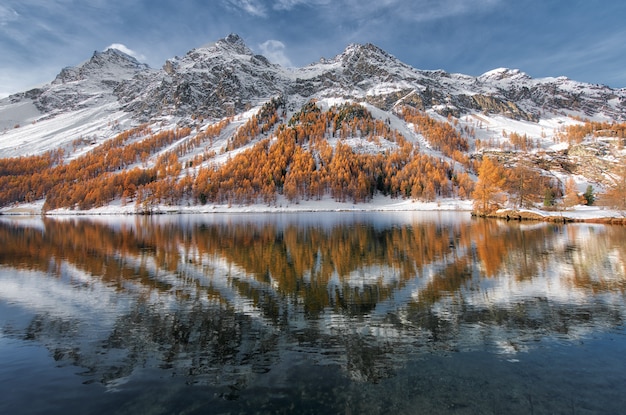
<point>113,54</point>
<point>235,42</point>
<point>357,51</point>
<point>212,57</point>
<point>231,44</point>
<point>500,74</point>
<point>109,65</point>
<point>361,68</point>
<point>212,80</point>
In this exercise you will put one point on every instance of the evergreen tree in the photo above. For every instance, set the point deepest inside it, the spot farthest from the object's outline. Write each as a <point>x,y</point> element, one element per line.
<point>589,196</point>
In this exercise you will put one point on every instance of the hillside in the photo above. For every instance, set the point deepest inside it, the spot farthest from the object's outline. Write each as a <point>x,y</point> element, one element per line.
<point>222,126</point>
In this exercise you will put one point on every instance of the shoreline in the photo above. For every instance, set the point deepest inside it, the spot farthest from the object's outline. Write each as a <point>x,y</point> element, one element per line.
<point>378,204</point>
<point>579,214</point>
<point>554,217</point>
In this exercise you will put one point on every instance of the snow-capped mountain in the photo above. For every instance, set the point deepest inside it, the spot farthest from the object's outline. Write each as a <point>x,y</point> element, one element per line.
<point>86,105</point>
<point>80,103</point>
<point>226,77</point>
<point>211,80</point>
<point>85,85</point>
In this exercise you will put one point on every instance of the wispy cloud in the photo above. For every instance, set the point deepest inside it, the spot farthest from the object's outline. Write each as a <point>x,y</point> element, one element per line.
<point>431,10</point>
<point>415,10</point>
<point>291,4</point>
<point>426,10</point>
<point>574,60</point>
<point>374,20</point>
<point>468,36</point>
<point>252,7</point>
<point>420,10</point>
<point>31,22</point>
<point>7,14</point>
<point>275,51</point>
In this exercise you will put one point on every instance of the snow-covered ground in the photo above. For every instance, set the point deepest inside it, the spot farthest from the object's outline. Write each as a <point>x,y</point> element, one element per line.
<point>379,203</point>
<point>34,133</point>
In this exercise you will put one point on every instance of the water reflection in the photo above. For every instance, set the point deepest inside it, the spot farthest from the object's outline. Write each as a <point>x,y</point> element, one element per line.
<point>221,300</point>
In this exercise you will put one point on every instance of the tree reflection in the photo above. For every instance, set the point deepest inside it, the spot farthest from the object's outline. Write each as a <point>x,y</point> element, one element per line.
<point>219,301</point>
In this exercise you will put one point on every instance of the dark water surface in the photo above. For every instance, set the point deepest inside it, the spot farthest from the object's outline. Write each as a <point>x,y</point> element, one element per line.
<point>317,313</point>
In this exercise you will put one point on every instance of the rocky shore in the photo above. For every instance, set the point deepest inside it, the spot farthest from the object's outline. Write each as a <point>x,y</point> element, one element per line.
<point>557,217</point>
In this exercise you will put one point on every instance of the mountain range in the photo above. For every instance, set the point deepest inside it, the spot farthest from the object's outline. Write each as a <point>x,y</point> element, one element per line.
<point>86,106</point>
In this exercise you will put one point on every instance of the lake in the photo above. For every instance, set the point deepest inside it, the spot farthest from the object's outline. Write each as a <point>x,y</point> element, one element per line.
<point>311,313</point>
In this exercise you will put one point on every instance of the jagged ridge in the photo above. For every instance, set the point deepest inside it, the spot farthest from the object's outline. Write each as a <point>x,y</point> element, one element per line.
<point>226,77</point>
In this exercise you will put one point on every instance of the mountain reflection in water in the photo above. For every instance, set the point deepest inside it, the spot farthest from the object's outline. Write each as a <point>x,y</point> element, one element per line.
<point>222,300</point>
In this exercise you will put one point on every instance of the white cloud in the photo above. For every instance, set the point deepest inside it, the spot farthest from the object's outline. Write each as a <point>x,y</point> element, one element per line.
<point>274,50</point>
<point>123,48</point>
<point>253,7</point>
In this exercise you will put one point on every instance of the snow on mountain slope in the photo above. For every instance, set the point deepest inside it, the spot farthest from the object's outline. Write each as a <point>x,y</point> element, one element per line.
<point>215,80</point>
<point>86,85</point>
<point>86,126</point>
<point>359,71</point>
<point>112,92</point>
<point>80,104</point>
<point>14,115</point>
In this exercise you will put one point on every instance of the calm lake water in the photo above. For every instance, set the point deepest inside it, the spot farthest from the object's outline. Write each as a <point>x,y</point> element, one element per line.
<point>317,313</point>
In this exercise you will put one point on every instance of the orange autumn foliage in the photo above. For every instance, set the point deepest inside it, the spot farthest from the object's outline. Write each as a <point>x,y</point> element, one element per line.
<point>296,160</point>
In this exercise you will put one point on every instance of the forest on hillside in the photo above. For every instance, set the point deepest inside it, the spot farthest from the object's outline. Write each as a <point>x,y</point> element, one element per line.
<point>342,152</point>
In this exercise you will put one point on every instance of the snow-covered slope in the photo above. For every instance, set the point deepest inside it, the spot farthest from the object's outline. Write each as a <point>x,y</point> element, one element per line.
<point>112,91</point>
<point>80,104</point>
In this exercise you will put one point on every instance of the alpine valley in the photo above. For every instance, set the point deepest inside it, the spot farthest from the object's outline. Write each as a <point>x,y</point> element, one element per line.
<point>222,128</point>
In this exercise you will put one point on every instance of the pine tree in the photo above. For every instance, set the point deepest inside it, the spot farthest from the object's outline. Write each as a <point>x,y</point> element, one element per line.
<point>589,196</point>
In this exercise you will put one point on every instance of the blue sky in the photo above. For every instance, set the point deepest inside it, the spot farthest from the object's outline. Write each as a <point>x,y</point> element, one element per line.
<point>582,39</point>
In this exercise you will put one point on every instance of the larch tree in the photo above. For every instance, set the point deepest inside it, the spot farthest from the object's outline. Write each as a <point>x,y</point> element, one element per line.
<point>615,195</point>
<point>488,193</point>
<point>525,183</point>
<point>571,193</point>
